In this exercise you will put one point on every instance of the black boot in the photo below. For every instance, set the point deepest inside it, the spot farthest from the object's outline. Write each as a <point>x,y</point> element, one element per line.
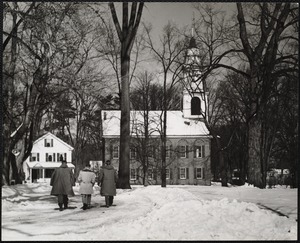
<point>107,201</point>
<point>66,200</point>
<point>111,200</point>
<point>60,206</point>
<point>84,206</point>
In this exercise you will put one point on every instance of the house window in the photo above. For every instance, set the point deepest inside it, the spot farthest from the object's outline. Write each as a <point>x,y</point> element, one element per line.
<point>115,152</point>
<point>182,151</point>
<point>198,173</point>
<point>195,106</point>
<point>34,157</point>
<point>150,174</point>
<point>183,173</point>
<point>199,151</point>
<point>132,153</point>
<point>61,156</point>
<point>48,142</point>
<point>167,173</point>
<point>50,157</point>
<point>132,174</point>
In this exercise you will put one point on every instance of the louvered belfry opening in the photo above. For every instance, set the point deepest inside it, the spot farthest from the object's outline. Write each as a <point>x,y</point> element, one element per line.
<point>195,106</point>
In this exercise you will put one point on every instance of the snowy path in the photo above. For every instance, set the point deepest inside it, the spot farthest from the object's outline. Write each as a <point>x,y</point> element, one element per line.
<point>29,213</point>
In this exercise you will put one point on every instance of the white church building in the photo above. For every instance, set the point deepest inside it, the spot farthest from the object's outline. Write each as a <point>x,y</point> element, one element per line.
<point>188,143</point>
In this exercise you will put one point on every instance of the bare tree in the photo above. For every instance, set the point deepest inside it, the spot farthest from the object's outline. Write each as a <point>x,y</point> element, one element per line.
<point>233,98</point>
<point>126,36</point>
<point>49,40</point>
<point>142,134</point>
<point>264,35</point>
<point>167,56</point>
<point>265,57</point>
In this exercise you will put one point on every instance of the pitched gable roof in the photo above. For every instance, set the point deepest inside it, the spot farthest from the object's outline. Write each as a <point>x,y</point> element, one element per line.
<point>177,125</point>
<point>54,137</point>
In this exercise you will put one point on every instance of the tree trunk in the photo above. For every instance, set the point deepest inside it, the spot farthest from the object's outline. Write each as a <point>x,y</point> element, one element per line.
<point>126,36</point>
<point>243,172</point>
<point>164,139</point>
<point>9,90</point>
<point>164,135</point>
<point>255,153</point>
<point>124,165</point>
<point>222,163</point>
<point>145,182</point>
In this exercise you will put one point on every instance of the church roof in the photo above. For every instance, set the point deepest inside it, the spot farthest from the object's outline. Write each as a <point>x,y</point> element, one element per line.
<point>177,125</point>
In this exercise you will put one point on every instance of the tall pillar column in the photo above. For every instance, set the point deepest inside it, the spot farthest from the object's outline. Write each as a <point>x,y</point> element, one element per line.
<point>44,174</point>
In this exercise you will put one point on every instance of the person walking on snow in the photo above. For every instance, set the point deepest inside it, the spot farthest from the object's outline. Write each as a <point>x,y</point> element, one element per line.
<point>62,180</point>
<point>107,181</point>
<point>86,179</point>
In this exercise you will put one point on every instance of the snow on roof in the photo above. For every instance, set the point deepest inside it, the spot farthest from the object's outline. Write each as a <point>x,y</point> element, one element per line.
<point>177,125</point>
<point>56,138</point>
<point>46,165</point>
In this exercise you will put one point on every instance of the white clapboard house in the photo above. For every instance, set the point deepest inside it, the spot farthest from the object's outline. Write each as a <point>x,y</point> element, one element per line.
<point>45,157</point>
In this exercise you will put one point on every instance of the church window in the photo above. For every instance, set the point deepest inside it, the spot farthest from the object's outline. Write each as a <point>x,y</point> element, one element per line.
<point>199,151</point>
<point>115,152</point>
<point>199,173</point>
<point>182,151</point>
<point>167,173</point>
<point>133,153</point>
<point>133,174</point>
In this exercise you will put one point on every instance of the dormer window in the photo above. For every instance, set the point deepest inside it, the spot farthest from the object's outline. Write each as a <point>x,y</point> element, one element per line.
<point>48,142</point>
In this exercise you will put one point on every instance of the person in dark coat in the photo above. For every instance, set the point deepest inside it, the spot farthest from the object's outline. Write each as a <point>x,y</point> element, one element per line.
<point>107,181</point>
<point>62,181</point>
<point>86,179</point>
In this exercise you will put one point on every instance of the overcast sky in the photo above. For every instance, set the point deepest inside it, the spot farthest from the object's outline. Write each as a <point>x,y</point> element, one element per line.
<point>181,13</point>
<point>159,13</point>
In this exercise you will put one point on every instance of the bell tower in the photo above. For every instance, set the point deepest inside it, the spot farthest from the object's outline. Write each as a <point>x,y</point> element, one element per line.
<point>194,94</point>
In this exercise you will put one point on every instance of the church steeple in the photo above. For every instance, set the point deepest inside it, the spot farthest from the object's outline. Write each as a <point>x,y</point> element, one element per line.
<point>194,95</point>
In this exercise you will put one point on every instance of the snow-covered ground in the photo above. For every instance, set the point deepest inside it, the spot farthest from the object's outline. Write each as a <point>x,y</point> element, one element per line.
<point>29,213</point>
